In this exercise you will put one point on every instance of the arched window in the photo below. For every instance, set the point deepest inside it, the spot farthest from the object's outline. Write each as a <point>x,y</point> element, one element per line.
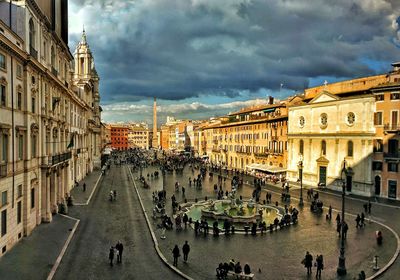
<point>31,33</point>
<point>350,148</point>
<point>301,147</point>
<point>53,57</point>
<point>323,148</point>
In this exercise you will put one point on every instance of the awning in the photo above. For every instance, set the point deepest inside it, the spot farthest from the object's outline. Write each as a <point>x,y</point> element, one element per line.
<point>266,168</point>
<point>269,110</point>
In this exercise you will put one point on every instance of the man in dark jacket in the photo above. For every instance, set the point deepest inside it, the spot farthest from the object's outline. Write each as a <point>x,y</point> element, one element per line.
<point>176,254</point>
<point>111,255</point>
<point>120,249</point>
<point>185,250</point>
<point>308,259</point>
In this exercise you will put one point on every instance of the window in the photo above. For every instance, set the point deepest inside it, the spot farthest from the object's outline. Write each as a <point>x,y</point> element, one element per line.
<point>378,146</point>
<point>393,146</point>
<point>19,212</point>
<point>378,120</point>
<point>377,165</point>
<point>4,222</point>
<point>53,56</point>
<point>31,33</point>
<point>19,101</point>
<point>44,50</point>
<point>20,147</point>
<point>3,198</point>
<point>33,105</point>
<point>323,120</point>
<point>395,96</point>
<point>3,101</point>
<point>351,118</point>
<point>323,148</point>
<point>2,61</point>
<point>350,148</point>
<point>301,147</point>
<point>4,148</point>
<point>33,146</point>
<point>32,198</point>
<point>301,121</point>
<point>19,193</point>
<point>393,166</point>
<point>19,71</point>
<point>379,97</point>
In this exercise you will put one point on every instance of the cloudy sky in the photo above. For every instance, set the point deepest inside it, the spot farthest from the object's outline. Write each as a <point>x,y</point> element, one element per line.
<point>204,58</point>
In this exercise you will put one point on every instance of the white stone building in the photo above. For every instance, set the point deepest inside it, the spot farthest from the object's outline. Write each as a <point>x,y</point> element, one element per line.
<point>49,118</point>
<point>328,130</point>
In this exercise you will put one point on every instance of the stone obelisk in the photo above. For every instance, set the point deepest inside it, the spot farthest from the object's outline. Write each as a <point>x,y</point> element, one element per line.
<point>154,140</point>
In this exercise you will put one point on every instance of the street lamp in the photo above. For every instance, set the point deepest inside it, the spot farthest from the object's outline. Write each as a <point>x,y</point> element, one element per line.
<point>300,165</point>
<point>341,269</point>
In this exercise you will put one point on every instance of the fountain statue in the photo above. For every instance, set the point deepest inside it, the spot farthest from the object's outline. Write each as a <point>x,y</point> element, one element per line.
<point>212,206</point>
<point>251,203</point>
<point>241,210</point>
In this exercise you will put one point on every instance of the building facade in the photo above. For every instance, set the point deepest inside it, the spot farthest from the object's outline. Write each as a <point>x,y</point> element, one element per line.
<point>386,158</point>
<point>138,136</point>
<point>43,117</point>
<point>119,136</point>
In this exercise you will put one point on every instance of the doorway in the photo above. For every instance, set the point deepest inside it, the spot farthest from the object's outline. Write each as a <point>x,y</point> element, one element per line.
<point>322,175</point>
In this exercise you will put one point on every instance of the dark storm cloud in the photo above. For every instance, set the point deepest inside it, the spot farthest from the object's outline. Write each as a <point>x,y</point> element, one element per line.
<point>179,49</point>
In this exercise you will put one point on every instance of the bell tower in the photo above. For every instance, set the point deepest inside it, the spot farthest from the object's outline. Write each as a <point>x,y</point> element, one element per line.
<point>83,59</point>
<point>155,138</point>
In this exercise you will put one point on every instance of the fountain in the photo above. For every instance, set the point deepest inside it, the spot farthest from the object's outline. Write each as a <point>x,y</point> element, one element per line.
<point>236,212</point>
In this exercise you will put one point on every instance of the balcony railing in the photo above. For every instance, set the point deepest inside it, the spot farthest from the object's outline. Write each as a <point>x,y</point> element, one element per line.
<point>60,158</point>
<point>261,154</point>
<point>391,127</point>
<point>54,71</point>
<point>392,155</point>
<point>3,170</point>
<point>33,52</point>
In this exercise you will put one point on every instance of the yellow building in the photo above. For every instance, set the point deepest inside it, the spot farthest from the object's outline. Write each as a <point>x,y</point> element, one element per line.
<point>254,138</point>
<point>138,136</point>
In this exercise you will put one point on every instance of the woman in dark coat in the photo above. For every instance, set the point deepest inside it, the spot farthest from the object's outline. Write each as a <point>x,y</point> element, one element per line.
<point>308,259</point>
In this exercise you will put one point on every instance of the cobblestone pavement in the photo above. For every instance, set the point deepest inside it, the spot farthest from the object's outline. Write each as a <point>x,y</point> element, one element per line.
<point>277,255</point>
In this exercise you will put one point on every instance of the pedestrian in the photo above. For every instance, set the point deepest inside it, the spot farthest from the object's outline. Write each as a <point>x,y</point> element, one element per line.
<point>111,255</point>
<point>183,191</point>
<point>330,212</point>
<point>358,219</point>
<point>120,249</point>
<point>365,205</point>
<point>361,275</point>
<point>362,220</point>
<point>307,261</point>
<point>84,187</point>
<point>345,229</point>
<point>176,254</point>
<point>185,219</point>
<point>369,206</point>
<point>115,194</point>
<point>320,265</point>
<point>338,218</point>
<point>185,251</point>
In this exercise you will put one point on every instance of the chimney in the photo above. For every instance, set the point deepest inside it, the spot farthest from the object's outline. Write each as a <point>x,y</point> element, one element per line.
<point>270,100</point>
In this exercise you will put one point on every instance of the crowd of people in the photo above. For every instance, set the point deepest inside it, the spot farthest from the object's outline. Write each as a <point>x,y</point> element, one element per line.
<point>223,269</point>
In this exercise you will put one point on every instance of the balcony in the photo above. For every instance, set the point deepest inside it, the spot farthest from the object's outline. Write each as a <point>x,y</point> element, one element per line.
<point>243,152</point>
<point>60,158</point>
<point>215,150</point>
<point>391,155</point>
<point>33,52</point>
<point>3,170</point>
<point>391,127</point>
<point>264,155</point>
<point>54,71</point>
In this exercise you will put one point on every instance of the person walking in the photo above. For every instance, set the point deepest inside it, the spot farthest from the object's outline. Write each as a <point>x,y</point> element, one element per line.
<point>176,254</point>
<point>358,219</point>
<point>185,251</point>
<point>345,229</point>
<point>120,249</point>
<point>362,220</point>
<point>330,212</point>
<point>308,259</point>
<point>369,207</point>
<point>84,187</point>
<point>111,255</point>
<point>320,265</point>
